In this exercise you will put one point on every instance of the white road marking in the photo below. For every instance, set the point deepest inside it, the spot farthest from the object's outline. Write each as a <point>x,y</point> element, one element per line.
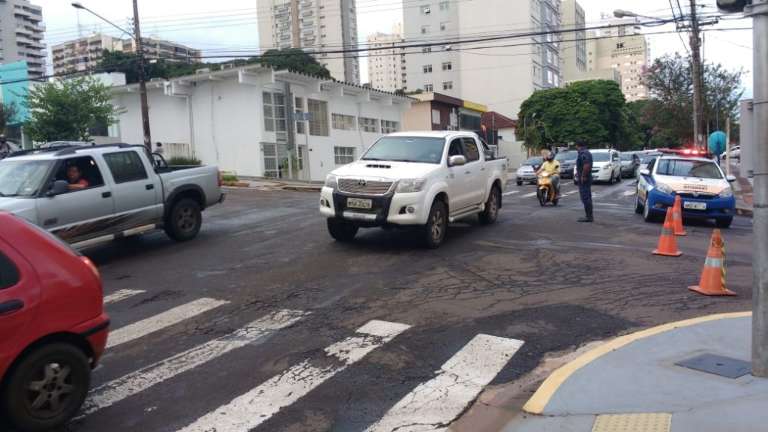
<point>629,192</point>
<point>135,382</point>
<point>121,295</point>
<point>162,320</point>
<point>256,406</point>
<point>571,193</point>
<point>529,195</point>
<point>436,403</point>
<point>510,193</point>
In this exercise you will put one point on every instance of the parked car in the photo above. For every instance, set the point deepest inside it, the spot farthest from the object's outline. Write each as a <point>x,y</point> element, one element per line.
<point>415,179</point>
<point>118,191</point>
<point>527,171</point>
<point>704,189</point>
<point>53,327</point>
<point>630,164</point>
<point>567,161</point>
<point>606,166</point>
<point>735,152</point>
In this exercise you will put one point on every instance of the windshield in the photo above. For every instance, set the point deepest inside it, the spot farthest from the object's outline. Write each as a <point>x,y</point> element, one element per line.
<point>566,156</point>
<point>407,149</point>
<point>601,157</point>
<point>22,177</point>
<point>627,156</point>
<point>649,157</point>
<point>534,161</point>
<point>689,168</point>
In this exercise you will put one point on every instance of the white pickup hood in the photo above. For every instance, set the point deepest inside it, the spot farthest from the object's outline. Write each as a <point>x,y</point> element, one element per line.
<point>386,170</point>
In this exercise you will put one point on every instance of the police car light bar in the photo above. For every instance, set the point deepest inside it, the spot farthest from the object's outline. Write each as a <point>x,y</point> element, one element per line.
<point>685,152</point>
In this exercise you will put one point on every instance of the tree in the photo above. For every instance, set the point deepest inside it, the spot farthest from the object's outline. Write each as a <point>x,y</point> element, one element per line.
<point>67,109</point>
<point>294,59</point>
<point>591,111</point>
<point>670,109</point>
<point>7,115</point>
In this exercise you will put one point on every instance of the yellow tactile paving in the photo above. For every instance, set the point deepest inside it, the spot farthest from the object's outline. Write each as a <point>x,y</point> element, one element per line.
<point>643,422</point>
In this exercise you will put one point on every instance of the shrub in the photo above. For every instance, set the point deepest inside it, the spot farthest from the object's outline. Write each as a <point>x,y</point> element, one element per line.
<point>229,178</point>
<point>184,161</point>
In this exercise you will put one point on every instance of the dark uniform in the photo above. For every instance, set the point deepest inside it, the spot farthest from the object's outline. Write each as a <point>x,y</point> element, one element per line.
<point>585,186</point>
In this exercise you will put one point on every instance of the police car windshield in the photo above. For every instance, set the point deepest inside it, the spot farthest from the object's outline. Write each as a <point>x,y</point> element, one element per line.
<point>689,168</point>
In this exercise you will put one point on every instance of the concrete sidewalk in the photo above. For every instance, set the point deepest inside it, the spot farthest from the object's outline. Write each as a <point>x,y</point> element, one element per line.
<point>632,384</point>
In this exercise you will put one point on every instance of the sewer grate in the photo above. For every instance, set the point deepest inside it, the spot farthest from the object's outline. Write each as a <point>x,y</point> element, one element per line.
<point>640,422</point>
<point>719,365</point>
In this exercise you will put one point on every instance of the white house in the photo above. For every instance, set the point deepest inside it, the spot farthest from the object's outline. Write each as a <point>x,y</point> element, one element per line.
<point>237,119</point>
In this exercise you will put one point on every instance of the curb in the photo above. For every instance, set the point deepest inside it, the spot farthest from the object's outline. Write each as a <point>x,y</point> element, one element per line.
<point>302,188</point>
<point>743,211</point>
<point>549,387</point>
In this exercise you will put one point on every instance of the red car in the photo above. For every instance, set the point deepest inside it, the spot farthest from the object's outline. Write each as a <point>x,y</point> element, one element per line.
<point>53,328</point>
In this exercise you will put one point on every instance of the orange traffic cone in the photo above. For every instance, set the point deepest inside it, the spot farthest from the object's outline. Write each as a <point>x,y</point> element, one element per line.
<point>712,281</point>
<point>667,241</point>
<point>677,217</point>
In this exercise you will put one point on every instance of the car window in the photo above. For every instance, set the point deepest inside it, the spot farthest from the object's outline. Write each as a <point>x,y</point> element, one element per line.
<point>81,171</point>
<point>470,149</point>
<point>534,161</point>
<point>9,273</point>
<point>600,157</point>
<point>456,149</point>
<point>689,168</point>
<point>125,166</point>
<point>566,156</point>
<point>651,164</point>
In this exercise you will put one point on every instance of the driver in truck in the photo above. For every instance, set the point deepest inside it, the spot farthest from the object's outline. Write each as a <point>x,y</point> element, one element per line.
<point>552,167</point>
<point>75,178</point>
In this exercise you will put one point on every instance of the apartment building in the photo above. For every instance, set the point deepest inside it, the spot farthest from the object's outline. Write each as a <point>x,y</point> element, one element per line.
<point>21,35</point>
<point>501,74</point>
<point>164,49</point>
<point>313,25</point>
<point>624,49</point>
<point>574,46</point>
<point>387,63</point>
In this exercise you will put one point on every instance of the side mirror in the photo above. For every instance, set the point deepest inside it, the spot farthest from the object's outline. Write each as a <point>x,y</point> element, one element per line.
<point>730,178</point>
<point>645,172</point>
<point>457,160</point>
<point>59,187</point>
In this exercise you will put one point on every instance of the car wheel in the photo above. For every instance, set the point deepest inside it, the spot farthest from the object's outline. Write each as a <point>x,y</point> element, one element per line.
<point>491,212</point>
<point>618,178</point>
<point>46,388</point>
<point>638,205</point>
<point>610,178</point>
<point>342,231</point>
<point>184,221</point>
<point>541,194</point>
<point>647,216</point>
<point>724,223</point>
<point>437,225</point>
<point>519,183</point>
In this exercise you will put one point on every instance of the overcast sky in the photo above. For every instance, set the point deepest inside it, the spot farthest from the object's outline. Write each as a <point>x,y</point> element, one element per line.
<point>232,25</point>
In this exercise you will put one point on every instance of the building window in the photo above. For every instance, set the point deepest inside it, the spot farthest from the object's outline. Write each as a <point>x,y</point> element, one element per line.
<point>424,29</point>
<point>301,126</point>
<point>426,50</point>
<point>343,155</point>
<point>427,68</point>
<point>388,127</point>
<point>445,5</point>
<point>435,116</point>
<point>343,122</point>
<point>443,26</point>
<point>274,112</point>
<point>426,10</point>
<point>448,85</point>
<point>369,125</point>
<point>447,66</point>
<point>318,124</point>
<point>429,88</point>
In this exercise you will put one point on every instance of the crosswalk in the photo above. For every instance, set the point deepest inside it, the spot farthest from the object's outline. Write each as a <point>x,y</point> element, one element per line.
<point>432,404</point>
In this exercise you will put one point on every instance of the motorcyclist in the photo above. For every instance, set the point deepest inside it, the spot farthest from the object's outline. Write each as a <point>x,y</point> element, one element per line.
<point>552,167</point>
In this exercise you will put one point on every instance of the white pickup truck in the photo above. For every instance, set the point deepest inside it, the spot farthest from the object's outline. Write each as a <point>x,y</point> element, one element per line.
<point>415,179</point>
<point>90,194</point>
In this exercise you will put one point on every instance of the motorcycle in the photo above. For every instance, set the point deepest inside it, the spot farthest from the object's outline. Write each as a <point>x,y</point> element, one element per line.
<point>545,191</point>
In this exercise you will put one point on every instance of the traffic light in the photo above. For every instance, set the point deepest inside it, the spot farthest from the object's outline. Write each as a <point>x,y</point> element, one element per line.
<point>732,5</point>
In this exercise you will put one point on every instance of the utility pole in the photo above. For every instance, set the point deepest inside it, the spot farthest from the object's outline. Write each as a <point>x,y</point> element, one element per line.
<point>698,106</point>
<point>142,77</point>
<point>759,13</point>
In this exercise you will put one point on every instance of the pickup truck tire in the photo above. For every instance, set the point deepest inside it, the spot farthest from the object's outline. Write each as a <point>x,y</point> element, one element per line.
<point>184,221</point>
<point>491,212</point>
<point>58,374</point>
<point>437,225</point>
<point>342,231</point>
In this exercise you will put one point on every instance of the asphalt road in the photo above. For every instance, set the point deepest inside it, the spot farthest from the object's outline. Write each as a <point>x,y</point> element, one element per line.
<point>264,323</point>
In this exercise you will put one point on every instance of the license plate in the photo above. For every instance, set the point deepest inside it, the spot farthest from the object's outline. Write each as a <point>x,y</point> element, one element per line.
<point>357,203</point>
<point>694,205</point>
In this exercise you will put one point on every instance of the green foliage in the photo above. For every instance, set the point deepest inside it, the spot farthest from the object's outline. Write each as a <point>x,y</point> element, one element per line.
<point>7,114</point>
<point>67,109</point>
<point>296,60</point>
<point>184,161</point>
<point>229,178</point>
<point>591,111</point>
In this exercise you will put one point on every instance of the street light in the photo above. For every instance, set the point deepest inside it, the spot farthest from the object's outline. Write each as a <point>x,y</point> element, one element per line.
<point>136,36</point>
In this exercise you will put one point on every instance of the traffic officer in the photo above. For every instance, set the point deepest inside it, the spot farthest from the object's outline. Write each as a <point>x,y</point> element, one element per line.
<point>584,178</point>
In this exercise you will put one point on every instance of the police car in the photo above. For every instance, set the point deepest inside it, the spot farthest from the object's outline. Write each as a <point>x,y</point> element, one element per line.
<point>704,189</point>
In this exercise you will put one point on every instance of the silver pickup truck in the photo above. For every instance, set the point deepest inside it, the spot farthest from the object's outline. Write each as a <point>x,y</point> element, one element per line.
<point>88,195</point>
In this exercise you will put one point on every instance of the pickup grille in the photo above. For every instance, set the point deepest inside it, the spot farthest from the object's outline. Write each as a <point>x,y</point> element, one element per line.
<point>364,187</point>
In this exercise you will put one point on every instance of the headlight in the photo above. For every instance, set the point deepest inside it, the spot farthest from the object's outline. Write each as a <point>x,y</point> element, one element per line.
<point>331,181</point>
<point>411,185</point>
<point>665,188</point>
<point>726,193</point>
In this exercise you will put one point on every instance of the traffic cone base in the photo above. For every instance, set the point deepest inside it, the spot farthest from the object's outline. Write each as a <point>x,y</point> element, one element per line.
<point>677,217</point>
<point>667,242</point>
<point>712,281</point>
